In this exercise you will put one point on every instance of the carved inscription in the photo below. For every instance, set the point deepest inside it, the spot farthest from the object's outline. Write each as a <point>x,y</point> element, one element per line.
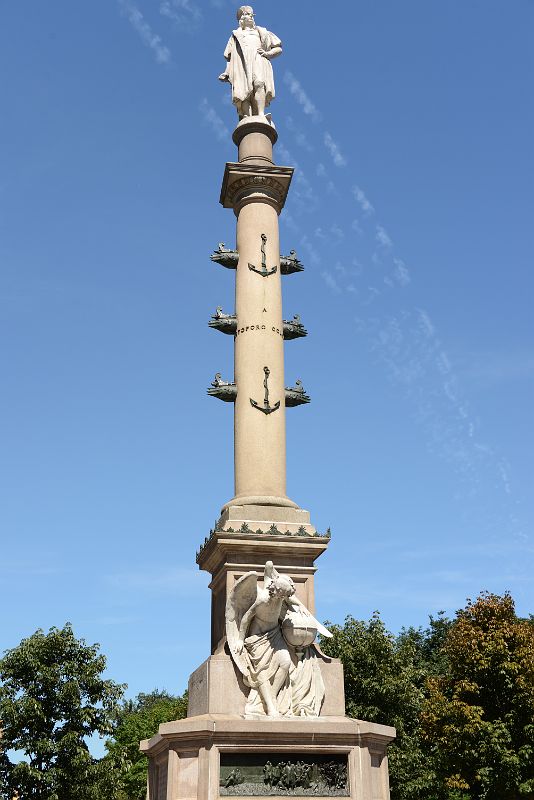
<point>250,328</point>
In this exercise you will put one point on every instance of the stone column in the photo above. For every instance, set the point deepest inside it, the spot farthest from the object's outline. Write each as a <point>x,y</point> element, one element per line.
<point>256,191</point>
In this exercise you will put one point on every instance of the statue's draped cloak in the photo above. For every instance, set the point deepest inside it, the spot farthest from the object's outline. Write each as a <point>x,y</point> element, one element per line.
<point>245,65</point>
<point>303,691</point>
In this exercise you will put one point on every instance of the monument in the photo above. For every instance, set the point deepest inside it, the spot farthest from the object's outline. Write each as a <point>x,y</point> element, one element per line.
<point>266,714</point>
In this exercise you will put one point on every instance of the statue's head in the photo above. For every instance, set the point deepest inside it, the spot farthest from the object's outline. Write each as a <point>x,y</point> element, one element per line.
<point>282,586</point>
<point>245,16</point>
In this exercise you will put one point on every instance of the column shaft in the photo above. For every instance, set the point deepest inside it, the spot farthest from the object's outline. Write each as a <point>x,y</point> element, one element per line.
<point>260,439</point>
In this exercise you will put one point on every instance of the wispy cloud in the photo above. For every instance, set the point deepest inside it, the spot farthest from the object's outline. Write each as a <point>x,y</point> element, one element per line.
<point>184,13</point>
<point>299,135</point>
<point>154,42</point>
<point>301,97</point>
<point>356,227</point>
<point>331,282</point>
<point>315,258</point>
<point>426,324</point>
<point>401,272</point>
<point>213,120</point>
<point>382,237</point>
<point>337,156</point>
<point>362,200</point>
<point>303,192</point>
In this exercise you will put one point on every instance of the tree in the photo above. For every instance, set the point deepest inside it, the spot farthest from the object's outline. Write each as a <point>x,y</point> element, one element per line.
<point>52,699</point>
<point>479,715</point>
<point>126,768</point>
<point>384,682</point>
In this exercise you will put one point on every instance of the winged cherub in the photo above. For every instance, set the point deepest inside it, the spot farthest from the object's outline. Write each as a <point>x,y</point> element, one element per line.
<point>270,634</point>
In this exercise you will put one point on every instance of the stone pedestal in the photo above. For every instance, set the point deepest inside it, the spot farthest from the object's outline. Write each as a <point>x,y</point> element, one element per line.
<point>229,553</point>
<point>217,686</point>
<point>190,758</point>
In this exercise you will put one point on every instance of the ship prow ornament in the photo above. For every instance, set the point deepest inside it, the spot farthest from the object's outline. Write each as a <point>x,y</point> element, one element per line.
<point>266,709</point>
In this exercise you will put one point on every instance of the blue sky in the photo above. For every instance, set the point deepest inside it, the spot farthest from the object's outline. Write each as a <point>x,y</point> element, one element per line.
<point>410,125</point>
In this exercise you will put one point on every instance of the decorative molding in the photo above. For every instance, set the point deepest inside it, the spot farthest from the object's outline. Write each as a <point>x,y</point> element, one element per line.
<point>296,395</point>
<point>293,328</point>
<point>252,182</point>
<point>223,390</point>
<point>290,264</point>
<point>227,258</point>
<point>225,323</point>
<point>218,531</point>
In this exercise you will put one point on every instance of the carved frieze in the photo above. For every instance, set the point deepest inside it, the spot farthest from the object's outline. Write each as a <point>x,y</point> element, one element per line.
<point>272,774</point>
<point>249,182</point>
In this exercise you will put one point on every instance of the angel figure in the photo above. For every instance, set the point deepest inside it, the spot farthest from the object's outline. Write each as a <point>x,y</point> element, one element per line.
<point>270,633</point>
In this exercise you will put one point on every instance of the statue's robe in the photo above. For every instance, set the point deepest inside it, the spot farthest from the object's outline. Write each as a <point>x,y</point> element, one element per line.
<point>245,65</point>
<point>302,693</point>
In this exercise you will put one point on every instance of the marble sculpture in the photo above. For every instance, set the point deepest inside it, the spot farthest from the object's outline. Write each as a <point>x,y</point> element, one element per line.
<point>270,633</point>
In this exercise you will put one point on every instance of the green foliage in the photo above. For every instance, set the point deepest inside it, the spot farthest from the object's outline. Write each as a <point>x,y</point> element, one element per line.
<point>52,698</point>
<point>479,716</point>
<point>126,768</point>
<point>384,682</point>
<point>460,694</point>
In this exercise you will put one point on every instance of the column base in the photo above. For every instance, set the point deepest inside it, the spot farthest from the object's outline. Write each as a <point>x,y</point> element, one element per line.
<point>261,517</point>
<point>215,755</point>
<point>259,500</point>
<point>216,687</point>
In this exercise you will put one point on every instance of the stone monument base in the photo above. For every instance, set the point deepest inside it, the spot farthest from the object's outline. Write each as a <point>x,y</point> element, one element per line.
<point>217,685</point>
<point>215,755</point>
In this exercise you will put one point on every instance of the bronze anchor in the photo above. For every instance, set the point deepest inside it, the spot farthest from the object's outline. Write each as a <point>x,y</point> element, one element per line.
<point>266,409</point>
<point>264,272</point>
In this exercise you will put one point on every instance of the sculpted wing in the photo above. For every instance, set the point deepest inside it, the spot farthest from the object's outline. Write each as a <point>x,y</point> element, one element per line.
<point>241,598</point>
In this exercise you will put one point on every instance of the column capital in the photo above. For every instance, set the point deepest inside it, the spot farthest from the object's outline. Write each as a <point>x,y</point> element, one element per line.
<point>251,183</point>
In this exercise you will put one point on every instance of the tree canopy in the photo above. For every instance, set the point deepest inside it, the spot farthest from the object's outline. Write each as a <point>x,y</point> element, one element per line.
<point>126,767</point>
<point>460,694</point>
<point>53,698</point>
<point>478,716</point>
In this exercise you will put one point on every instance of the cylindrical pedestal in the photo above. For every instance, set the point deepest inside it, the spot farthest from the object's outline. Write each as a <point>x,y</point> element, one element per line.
<point>259,426</point>
<point>260,434</point>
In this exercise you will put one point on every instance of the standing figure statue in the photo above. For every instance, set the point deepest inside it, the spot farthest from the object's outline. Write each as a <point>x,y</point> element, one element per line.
<point>270,634</point>
<point>249,52</point>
